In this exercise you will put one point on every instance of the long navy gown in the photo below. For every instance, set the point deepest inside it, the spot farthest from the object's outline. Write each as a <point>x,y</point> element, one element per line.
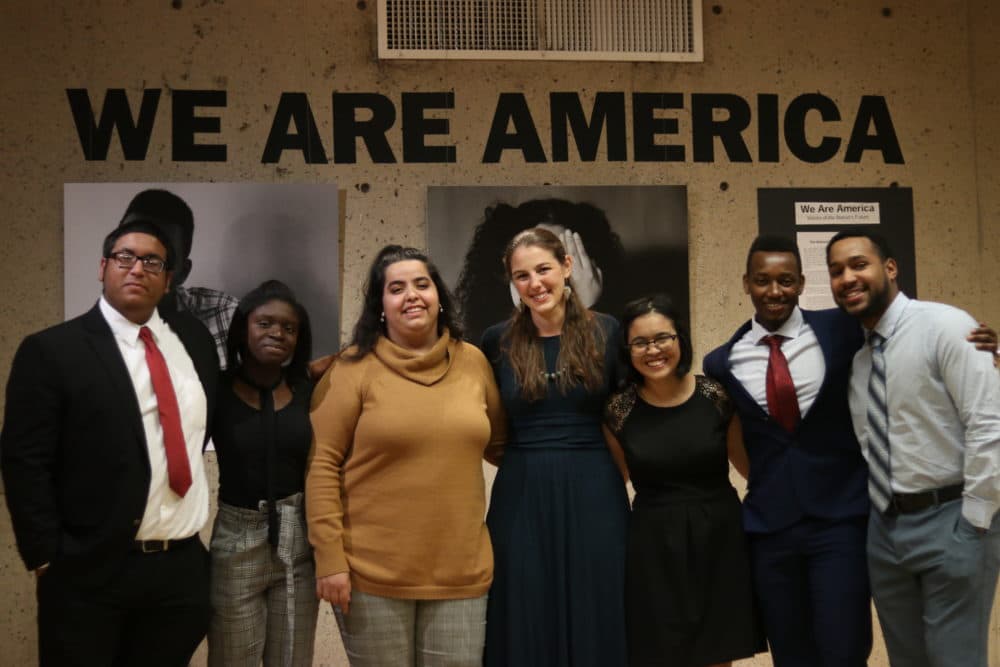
<point>558,516</point>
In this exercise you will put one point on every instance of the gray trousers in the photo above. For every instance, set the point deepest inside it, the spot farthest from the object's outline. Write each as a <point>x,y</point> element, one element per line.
<point>385,632</point>
<point>263,598</point>
<point>933,578</point>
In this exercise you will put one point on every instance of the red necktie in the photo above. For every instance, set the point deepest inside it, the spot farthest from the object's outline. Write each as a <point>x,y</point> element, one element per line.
<point>178,470</point>
<point>782,403</point>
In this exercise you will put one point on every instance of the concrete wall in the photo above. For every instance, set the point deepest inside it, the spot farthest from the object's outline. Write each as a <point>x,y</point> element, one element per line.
<point>934,61</point>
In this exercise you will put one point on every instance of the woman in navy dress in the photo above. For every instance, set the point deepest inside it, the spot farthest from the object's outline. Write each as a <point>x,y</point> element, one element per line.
<point>558,510</point>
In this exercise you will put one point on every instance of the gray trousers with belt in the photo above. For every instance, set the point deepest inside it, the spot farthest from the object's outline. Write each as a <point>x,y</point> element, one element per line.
<point>263,597</point>
<point>933,578</point>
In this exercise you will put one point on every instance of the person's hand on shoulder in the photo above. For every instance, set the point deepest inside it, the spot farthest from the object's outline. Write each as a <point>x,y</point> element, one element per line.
<point>319,366</point>
<point>985,339</point>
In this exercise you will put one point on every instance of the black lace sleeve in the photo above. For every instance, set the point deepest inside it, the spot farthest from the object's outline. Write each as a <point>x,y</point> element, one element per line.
<point>715,392</point>
<point>618,409</point>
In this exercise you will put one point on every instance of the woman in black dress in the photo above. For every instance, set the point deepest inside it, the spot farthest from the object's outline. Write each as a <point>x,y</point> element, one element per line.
<point>688,597</point>
<point>263,581</point>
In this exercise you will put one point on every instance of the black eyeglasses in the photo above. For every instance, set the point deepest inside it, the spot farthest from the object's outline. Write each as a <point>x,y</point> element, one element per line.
<point>659,341</point>
<point>126,259</point>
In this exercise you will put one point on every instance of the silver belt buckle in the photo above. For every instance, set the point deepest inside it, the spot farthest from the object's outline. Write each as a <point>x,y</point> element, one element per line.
<point>155,546</point>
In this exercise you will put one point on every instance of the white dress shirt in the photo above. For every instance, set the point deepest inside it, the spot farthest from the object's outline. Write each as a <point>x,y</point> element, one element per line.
<point>748,360</point>
<point>167,516</point>
<point>943,401</point>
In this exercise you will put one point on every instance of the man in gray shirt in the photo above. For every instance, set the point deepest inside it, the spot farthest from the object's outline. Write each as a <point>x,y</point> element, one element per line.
<point>926,410</point>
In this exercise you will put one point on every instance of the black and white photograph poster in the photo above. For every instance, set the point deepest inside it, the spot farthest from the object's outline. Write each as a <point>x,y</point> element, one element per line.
<point>633,241</point>
<point>244,234</point>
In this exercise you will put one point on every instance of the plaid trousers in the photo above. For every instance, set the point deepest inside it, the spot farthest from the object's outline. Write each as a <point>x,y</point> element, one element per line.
<point>263,597</point>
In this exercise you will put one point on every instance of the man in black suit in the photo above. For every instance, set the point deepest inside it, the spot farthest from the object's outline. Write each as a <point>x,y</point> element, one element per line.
<point>105,422</point>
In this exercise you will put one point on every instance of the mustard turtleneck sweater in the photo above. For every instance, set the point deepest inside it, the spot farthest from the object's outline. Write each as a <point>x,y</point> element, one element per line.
<point>394,490</point>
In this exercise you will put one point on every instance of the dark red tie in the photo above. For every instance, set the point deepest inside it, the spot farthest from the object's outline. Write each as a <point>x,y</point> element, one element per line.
<point>178,469</point>
<point>782,403</point>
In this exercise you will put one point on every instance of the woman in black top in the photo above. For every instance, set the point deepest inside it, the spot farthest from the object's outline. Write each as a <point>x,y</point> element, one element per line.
<point>263,599</point>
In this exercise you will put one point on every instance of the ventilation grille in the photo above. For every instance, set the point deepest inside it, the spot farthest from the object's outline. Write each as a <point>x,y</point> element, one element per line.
<point>664,30</point>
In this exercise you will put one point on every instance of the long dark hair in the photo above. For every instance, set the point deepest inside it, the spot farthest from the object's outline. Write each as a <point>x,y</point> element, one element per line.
<point>660,304</point>
<point>369,325</point>
<point>482,291</point>
<point>236,340</point>
<point>579,355</point>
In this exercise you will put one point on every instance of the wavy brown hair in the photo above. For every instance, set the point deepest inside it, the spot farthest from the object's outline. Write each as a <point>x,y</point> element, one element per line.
<point>580,354</point>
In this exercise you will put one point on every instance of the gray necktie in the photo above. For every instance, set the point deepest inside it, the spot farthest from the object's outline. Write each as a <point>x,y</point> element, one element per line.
<point>879,469</point>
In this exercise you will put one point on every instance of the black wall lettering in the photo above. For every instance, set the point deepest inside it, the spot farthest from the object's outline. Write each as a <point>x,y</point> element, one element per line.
<point>645,127</point>
<point>293,108</point>
<point>416,127</point>
<point>609,110</point>
<point>795,127</point>
<point>186,124</point>
<point>808,129</point>
<point>347,128</point>
<point>704,127</point>
<point>767,128</point>
<point>95,137</point>
<point>513,109</point>
<point>874,111</point>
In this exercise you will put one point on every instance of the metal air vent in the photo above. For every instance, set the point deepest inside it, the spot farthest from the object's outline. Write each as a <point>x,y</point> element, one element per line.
<point>638,30</point>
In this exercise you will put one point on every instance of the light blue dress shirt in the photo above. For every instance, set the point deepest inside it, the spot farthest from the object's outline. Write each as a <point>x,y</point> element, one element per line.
<point>943,402</point>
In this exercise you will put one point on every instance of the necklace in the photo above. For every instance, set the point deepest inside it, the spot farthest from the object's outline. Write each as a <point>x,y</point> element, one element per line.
<point>552,376</point>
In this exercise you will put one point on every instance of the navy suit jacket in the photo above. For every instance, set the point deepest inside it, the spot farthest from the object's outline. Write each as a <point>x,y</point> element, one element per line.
<point>73,450</point>
<point>817,471</point>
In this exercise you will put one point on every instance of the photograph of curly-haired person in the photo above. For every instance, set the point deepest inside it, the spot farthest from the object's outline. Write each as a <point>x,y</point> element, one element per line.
<point>624,240</point>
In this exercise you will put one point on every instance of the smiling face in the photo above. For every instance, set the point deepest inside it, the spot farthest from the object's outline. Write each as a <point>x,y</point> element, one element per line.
<point>410,303</point>
<point>272,333</point>
<point>134,292</point>
<point>774,282</point>
<point>540,280</point>
<point>658,359</point>
<point>863,284</point>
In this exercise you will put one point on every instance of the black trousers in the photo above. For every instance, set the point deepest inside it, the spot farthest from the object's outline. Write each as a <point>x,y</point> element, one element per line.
<point>153,613</point>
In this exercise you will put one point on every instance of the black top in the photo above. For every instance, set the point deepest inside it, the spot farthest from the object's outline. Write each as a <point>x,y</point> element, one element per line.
<point>242,450</point>
<point>677,452</point>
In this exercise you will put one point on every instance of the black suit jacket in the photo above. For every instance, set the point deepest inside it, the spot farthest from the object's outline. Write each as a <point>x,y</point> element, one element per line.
<point>818,470</point>
<point>73,450</point>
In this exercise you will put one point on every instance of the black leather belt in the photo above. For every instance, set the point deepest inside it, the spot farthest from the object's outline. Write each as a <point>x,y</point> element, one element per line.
<point>156,546</point>
<point>908,503</point>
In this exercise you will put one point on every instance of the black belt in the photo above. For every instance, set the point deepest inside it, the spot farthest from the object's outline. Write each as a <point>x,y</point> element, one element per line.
<point>908,503</point>
<point>156,546</point>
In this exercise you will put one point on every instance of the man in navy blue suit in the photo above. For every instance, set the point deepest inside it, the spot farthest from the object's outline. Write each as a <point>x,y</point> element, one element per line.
<point>806,507</point>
